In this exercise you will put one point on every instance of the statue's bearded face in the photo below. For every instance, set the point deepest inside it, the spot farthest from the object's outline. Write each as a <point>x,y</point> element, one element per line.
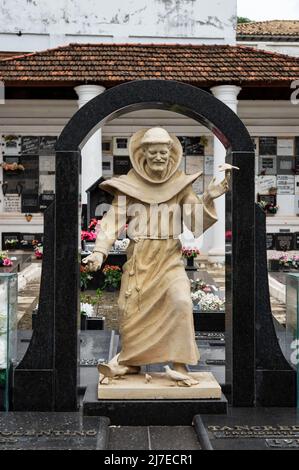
<point>157,157</point>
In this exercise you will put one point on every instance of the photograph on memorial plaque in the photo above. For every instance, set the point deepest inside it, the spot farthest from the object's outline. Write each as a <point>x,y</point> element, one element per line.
<point>267,146</point>
<point>29,145</point>
<point>106,146</point>
<point>209,165</point>
<point>121,165</point>
<point>267,198</point>
<point>46,164</point>
<point>285,147</point>
<point>267,165</point>
<point>285,165</point>
<point>194,164</point>
<point>285,184</point>
<point>11,144</point>
<point>107,165</point>
<point>47,145</point>
<point>284,241</point>
<point>265,184</point>
<point>270,240</point>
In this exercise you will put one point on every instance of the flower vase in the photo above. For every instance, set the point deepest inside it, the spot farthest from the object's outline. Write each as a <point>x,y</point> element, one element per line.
<point>190,262</point>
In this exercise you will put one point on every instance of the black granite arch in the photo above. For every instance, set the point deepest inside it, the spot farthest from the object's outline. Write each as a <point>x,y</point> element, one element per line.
<point>225,124</point>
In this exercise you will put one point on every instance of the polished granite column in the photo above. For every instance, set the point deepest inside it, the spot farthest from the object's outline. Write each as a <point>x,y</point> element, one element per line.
<point>240,282</point>
<point>66,280</point>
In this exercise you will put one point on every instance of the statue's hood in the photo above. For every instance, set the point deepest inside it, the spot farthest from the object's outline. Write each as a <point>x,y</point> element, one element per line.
<point>150,192</point>
<point>139,162</point>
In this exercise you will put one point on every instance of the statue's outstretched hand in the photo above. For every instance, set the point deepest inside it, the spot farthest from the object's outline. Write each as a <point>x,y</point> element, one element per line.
<point>217,189</point>
<point>94,261</point>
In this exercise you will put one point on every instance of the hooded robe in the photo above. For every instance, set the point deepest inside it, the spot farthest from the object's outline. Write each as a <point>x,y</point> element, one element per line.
<point>156,311</point>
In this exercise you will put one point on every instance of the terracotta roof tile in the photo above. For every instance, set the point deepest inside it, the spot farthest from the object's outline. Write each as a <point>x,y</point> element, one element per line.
<point>115,63</point>
<point>274,28</point>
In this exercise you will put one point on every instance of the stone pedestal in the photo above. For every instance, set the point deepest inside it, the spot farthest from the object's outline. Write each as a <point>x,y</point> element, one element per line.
<point>135,387</point>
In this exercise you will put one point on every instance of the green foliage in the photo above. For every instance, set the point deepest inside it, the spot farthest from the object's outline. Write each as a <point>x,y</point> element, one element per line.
<point>243,19</point>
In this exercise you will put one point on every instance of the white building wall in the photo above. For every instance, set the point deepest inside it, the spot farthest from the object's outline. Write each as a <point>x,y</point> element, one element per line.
<point>289,48</point>
<point>27,25</point>
<point>47,117</point>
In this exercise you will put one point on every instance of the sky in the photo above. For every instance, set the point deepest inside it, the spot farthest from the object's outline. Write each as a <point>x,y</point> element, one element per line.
<point>260,10</point>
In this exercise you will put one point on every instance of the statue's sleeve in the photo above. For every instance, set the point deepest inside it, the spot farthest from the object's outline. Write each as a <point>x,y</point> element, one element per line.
<point>199,212</point>
<point>111,225</point>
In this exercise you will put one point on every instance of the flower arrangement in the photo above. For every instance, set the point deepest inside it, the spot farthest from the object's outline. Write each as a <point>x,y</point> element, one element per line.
<point>90,303</point>
<point>190,252</point>
<point>228,236</point>
<point>88,236</point>
<point>288,261</point>
<point>38,251</point>
<point>12,166</point>
<point>207,302</point>
<point>269,207</point>
<point>112,276</point>
<point>5,261</point>
<point>198,284</point>
<point>10,244</point>
<point>85,276</point>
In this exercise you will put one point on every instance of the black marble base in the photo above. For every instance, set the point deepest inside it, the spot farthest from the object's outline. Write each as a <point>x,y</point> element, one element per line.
<point>209,321</point>
<point>149,412</point>
<point>249,429</point>
<point>52,431</point>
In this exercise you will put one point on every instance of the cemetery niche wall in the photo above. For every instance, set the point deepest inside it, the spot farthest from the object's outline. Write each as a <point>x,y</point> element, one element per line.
<point>46,379</point>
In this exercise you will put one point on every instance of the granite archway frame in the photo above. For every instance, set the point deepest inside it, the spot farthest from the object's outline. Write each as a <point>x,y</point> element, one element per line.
<point>240,311</point>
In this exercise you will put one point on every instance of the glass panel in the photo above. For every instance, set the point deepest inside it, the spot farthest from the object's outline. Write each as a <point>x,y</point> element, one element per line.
<point>8,334</point>
<point>292,324</point>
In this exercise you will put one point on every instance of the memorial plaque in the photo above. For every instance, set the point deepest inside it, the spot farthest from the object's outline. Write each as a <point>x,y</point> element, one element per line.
<point>270,240</point>
<point>46,183</point>
<point>268,146</point>
<point>107,165</point>
<point>267,165</point>
<point>11,144</point>
<point>264,183</point>
<point>12,203</point>
<point>285,165</point>
<point>47,145</point>
<point>192,146</point>
<point>29,202</point>
<point>254,432</point>
<point>285,184</point>
<point>30,145</point>
<point>121,164</point>
<point>46,163</point>
<point>285,147</point>
<point>45,200</point>
<point>284,241</point>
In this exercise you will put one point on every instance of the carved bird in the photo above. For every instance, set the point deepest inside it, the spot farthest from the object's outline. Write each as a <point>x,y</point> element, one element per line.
<point>227,167</point>
<point>148,378</point>
<point>180,378</point>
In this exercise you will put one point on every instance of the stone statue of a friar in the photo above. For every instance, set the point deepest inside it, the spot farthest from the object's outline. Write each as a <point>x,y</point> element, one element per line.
<point>156,200</point>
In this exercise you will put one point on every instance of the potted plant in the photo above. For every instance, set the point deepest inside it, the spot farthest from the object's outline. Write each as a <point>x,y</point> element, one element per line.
<point>208,311</point>
<point>85,277</point>
<point>112,277</point>
<point>190,253</point>
<point>90,315</point>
